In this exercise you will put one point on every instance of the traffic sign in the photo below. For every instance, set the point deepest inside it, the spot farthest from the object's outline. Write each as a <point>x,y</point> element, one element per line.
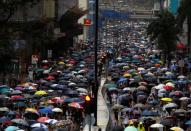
<point>34,59</point>
<point>87,22</point>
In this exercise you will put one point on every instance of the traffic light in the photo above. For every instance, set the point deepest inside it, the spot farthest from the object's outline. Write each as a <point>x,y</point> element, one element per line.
<point>88,104</point>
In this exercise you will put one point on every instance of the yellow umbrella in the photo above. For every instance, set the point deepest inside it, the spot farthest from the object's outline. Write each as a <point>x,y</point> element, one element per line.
<point>40,93</point>
<point>61,63</point>
<point>31,110</point>
<point>127,75</point>
<point>176,129</point>
<point>166,99</point>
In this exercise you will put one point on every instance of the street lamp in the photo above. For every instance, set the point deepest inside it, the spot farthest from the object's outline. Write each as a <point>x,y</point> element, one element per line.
<point>95,90</point>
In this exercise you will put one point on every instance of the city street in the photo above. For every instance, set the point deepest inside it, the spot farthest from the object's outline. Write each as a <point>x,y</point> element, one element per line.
<point>95,65</point>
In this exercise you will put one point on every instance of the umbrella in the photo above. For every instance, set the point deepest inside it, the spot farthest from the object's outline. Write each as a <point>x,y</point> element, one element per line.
<point>142,87</point>
<point>130,128</point>
<point>117,106</point>
<point>139,105</point>
<point>45,110</point>
<point>70,100</point>
<point>157,125</point>
<point>82,90</point>
<point>188,122</point>
<point>75,105</point>
<point>16,92</point>
<point>38,125</point>
<point>40,93</point>
<point>170,105</point>
<point>184,99</point>
<point>20,121</point>
<point>127,110</point>
<point>58,110</point>
<point>42,119</point>
<point>11,128</point>
<point>176,129</point>
<point>19,104</point>
<point>31,110</point>
<point>117,128</point>
<point>4,119</point>
<point>180,111</point>
<point>4,109</point>
<point>51,121</point>
<point>166,99</point>
<point>168,88</point>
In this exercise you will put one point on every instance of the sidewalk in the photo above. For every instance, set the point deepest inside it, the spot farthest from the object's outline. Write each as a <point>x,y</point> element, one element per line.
<point>102,111</point>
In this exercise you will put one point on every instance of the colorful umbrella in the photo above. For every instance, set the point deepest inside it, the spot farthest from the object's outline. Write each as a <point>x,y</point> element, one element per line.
<point>42,119</point>
<point>75,105</point>
<point>40,93</point>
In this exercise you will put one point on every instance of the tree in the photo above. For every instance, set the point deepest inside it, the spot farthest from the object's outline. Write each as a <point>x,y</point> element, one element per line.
<point>9,7</point>
<point>184,13</point>
<point>69,25</point>
<point>164,31</point>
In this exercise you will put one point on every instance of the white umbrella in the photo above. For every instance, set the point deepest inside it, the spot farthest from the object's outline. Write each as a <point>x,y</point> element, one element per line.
<point>157,125</point>
<point>51,121</point>
<point>181,77</point>
<point>184,99</point>
<point>170,105</point>
<point>38,125</point>
<point>58,110</point>
<point>82,90</point>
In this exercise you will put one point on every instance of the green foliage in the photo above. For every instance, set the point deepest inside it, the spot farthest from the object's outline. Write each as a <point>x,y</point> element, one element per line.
<point>6,54</point>
<point>164,31</point>
<point>9,7</point>
<point>184,12</point>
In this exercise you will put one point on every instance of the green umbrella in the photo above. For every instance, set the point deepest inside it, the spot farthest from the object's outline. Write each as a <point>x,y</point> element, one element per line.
<point>130,128</point>
<point>19,104</point>
<point>110,85</point>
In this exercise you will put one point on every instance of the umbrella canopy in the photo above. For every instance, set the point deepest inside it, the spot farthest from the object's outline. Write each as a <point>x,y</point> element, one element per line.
<point>166,99</point>
<point>176,129</point>
<point>51,121</point>
<point>130,128</point>
<point>11,128</point>
<point>42,119</point>
<point>157,125</point>
<point>38,125</point>
<point>170,105</point>
<point>75,105</point>
<point>58,110</point>
<point>20,121</point>
<point>40,93</point>
<point>188,122</point>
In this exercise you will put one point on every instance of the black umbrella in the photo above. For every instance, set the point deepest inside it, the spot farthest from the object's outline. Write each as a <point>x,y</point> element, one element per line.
<point>117,128</point>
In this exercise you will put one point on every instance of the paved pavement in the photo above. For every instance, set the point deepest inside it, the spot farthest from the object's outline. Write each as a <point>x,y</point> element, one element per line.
<point>103,112</point>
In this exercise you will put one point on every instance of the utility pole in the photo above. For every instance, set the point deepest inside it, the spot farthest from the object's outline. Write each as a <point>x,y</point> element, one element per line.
<point>96,59</point>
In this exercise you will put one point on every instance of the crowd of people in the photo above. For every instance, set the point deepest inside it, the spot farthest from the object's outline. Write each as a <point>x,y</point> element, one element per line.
<point>52,97</point>
<point>143,92</point>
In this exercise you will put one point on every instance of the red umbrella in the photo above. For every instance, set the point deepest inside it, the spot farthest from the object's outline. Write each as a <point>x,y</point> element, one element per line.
<point>180,46</point>
<point>50,78</point>
<point>45,67</point>
<point>16,97</point>
<point>42,119</point>
<point>168,88</point>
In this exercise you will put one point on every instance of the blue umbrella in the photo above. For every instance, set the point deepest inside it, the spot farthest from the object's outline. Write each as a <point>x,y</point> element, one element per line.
<point>121,80</point>
<point>4,119</point>
<point>11,128</point>
<point>69,100</point>
<point>45,111</point>
<point>188,122</point>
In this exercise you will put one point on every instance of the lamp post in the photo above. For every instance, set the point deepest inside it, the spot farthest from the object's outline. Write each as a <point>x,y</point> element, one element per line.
<point>95,90</point>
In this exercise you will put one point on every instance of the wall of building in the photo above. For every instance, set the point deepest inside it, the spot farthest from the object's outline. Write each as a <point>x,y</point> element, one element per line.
<point>84,5</point>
